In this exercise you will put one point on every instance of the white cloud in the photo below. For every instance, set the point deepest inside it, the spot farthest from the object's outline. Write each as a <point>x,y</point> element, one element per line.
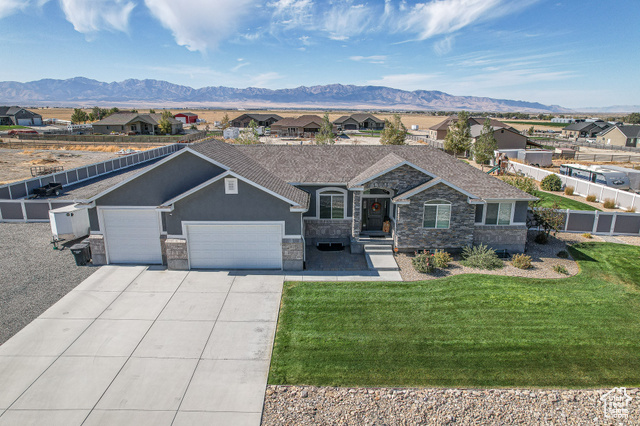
<point>292,13</point>
<point>374,59</point>
<point>444,46</point>
<point>96,15</point>
<point>413,81</point>
<point>344,20</point>
<point>264,79</point>
<point>240,65</point>
<point>9,7</point>
<point>204,23</point>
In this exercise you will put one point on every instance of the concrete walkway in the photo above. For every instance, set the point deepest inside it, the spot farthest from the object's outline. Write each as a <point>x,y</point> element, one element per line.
<point>145,346</point>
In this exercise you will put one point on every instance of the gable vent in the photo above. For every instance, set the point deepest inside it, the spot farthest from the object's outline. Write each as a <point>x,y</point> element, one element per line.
<point>230,186</point>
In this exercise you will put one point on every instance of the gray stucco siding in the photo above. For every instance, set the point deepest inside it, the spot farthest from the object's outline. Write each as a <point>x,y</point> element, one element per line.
<point>313,189</point>
<point>162,183</point>
<point>211,204</point>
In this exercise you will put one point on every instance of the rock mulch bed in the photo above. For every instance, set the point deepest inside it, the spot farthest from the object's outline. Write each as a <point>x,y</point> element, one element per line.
<point>295,405</point>
<point>543,259</point>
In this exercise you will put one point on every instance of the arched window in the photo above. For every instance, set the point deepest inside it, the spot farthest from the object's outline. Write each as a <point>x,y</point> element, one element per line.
<point>332,203</point>
<point>437,214</point>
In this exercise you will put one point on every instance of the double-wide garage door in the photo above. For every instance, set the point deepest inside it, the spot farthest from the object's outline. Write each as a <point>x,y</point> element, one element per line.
<point>237,246</point>
<point>132,236</point>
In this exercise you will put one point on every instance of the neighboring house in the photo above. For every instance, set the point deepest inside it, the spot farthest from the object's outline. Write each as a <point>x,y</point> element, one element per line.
<point>16,116</point>
<point>231,133</point>
<point>186,117</point>
<point>265,120</point>
<point>359,122</point>
<point>584,129</point>
<point>216,205</point>
<point>132,122</point>
<point>303,126</point>
<point>620,136</point>
<point>506,137</point>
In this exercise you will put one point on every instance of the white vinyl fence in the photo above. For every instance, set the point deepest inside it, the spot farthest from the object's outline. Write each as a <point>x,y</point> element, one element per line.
<point>601,223</point>
<point>623,199</point>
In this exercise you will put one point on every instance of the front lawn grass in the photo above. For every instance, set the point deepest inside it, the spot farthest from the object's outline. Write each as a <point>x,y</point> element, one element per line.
<point>547,200</point>
<point>12,127</point>
<point>468,330</point>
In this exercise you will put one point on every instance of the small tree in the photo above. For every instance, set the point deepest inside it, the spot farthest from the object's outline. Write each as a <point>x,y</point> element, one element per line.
<point>394,132</point>
<point>79,116</point>
<point>531,130</point>
<point>224,123</point>
<point>633,118</point>
<point>166,114</point>
<point>135,111</point>
<point>152,111</point>
<point>523,183</point>
<point>250,136</point>
<point>112,111</point>
<point>325,134</point>
<point>548,218</point>
<point>458,138</point>
<point>485,145</point>
<point>164,125</point>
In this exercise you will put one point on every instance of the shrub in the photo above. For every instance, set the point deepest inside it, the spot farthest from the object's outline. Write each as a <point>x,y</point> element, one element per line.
<point>423,262</point>
<point>568,190</point>
<point>551,183</point>
<point>609,203</point>
<point>560,269</point>
<point>541,238</point>
<point>523,183</point>
<point>481,257</point>
<point>587,235</point>
<point>521,261</point>
<point>563,254</point>
<point>591,198</point>
<point>442,259</point>
<point>631,210</point>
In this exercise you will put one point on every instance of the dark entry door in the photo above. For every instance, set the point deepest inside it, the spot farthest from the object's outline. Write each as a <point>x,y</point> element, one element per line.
<point>376,210</point>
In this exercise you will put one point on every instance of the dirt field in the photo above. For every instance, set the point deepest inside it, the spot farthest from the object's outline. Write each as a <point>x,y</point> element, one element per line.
<point>16,164</point>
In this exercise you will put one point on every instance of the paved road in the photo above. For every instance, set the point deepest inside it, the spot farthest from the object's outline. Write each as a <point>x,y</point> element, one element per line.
<point>144,346</point>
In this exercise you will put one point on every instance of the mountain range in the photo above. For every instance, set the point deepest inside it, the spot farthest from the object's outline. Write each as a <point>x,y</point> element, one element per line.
<point>80,91</point>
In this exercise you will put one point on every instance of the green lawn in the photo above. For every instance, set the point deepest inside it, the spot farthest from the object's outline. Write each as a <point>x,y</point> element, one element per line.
<point>547,200</point>
<point>468,330</point>
<point>12,127</point>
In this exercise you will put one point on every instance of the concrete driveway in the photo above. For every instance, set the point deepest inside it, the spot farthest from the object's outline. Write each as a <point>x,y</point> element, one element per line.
<point>145,346</point>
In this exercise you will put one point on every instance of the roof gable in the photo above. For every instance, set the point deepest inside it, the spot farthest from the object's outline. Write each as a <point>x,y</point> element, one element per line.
<point>387,164</point>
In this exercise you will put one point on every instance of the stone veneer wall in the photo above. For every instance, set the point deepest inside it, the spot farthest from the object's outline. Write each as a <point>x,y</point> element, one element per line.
<point>400,180</point>
<point>410,235</point>
<point>177,254</point>
<point>292,254</point>
<point>356,223</point>
<point>98,251</point>
<point>327,228</point>
<point>498,237</point>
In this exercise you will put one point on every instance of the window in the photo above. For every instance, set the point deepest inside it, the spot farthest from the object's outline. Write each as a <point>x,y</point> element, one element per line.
<point>230,186</point>
<point>437,214</point>
<point>331,204</point>
<point>498,214</point>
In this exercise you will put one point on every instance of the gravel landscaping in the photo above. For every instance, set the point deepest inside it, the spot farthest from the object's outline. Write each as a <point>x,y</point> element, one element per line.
<point>543,259</point>
<point>386,406</point>
<point>34,276</point>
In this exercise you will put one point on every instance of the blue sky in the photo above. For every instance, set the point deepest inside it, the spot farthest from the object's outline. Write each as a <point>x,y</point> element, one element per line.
<point>574,53</point>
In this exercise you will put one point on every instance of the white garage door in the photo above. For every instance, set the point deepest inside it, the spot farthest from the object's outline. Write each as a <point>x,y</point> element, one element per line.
<point>132,236</point>
<point>24,122</point>
<point>250,246</point>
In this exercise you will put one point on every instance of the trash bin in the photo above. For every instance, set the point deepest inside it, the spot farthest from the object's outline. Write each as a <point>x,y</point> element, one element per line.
<point>81,253</point>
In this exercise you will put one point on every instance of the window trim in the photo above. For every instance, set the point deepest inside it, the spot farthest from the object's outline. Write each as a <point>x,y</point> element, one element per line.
<point>486,207</point>
<point>329,189</point>
<point>437,205</point>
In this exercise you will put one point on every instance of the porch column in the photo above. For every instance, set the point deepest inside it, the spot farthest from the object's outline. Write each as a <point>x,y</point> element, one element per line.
<point>357,214</point>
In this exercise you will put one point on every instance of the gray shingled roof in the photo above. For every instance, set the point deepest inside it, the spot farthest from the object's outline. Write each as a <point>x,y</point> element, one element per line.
<point>444,125</point>
<point>358,117</point>
<point>301,121</point>
<point>387,162</point>
<point>342,163</point>
<point>629,131</point>
<point>247,167</point>
<point>123,118</point>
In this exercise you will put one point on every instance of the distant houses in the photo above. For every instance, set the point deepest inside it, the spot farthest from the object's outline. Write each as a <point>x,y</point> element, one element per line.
<point>265,120</point>
<point>620,136</point>
<point>359,122</point>
<point>17,116</point>
<point>506,136</point>
<point>134,123</point>
<point>585,129</point>
<point>303,126</point>
<point>186,117</point>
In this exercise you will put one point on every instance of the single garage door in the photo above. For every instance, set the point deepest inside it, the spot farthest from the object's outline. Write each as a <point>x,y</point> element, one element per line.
<point>250,246</point>
<point>132,236</point>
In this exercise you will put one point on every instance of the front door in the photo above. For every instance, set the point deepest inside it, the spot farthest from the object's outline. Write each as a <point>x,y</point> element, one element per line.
<point>374,210</point>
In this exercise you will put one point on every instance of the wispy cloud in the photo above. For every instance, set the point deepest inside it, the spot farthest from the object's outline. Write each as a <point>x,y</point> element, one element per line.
<point>375,59</point>
<point>344,20</point>
<point>9,7</point>
<point>204,23</point>
<point>444,46</point>
<point>292,13</point>
<point>264,79</point>
<point>96,15</point>
<point>413,81</point>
